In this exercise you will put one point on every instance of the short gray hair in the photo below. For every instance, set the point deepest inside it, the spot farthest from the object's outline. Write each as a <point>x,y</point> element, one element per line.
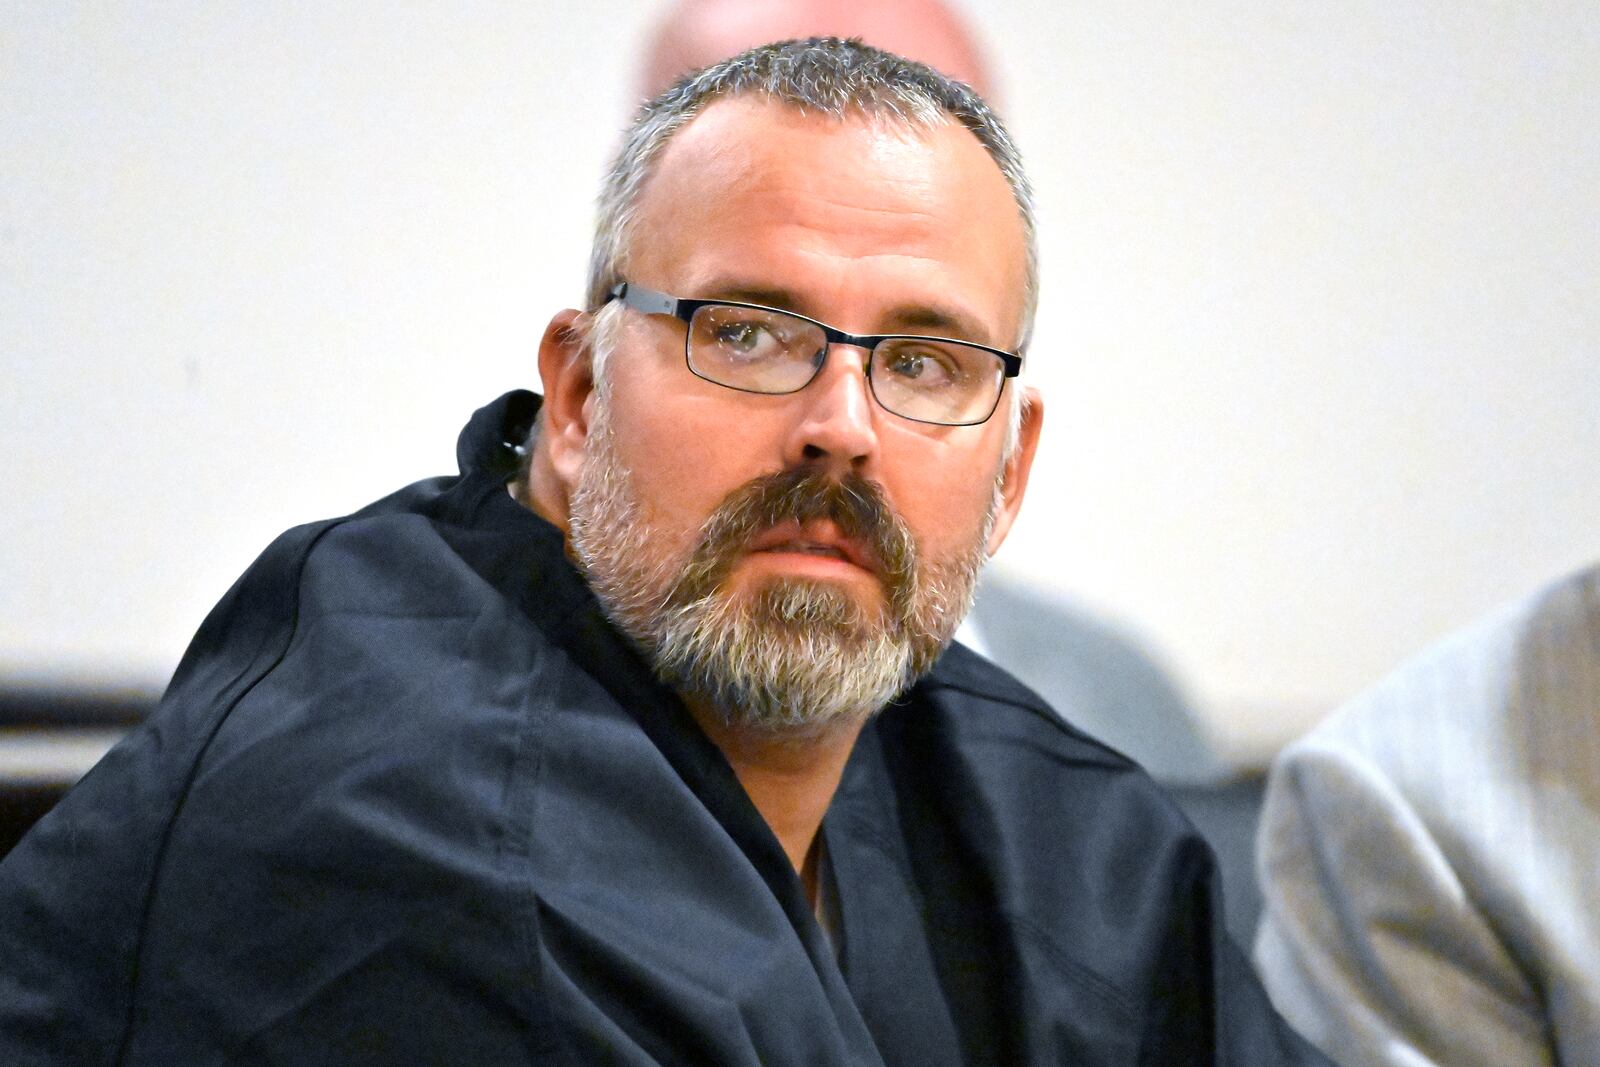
<point>825,75</point>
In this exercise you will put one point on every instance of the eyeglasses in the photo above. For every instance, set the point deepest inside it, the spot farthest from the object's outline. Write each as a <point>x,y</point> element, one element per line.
<point>758,349</point>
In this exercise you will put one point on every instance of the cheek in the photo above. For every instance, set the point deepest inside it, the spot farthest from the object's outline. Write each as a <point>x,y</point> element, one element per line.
<point>945,493</point>
<point>684,462</point>
<point>949,517</point>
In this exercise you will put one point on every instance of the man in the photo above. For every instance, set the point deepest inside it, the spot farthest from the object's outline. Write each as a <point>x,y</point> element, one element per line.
<point>1431,853</point>
<point>649,749</point>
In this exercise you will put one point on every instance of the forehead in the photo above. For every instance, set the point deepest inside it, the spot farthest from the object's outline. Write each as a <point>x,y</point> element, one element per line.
<point>844,212</point>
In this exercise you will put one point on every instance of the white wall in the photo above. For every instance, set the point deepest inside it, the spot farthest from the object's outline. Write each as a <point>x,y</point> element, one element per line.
<point>1320,315</point>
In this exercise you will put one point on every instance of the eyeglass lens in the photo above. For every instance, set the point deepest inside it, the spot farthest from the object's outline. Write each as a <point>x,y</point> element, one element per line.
<point>760,350</point>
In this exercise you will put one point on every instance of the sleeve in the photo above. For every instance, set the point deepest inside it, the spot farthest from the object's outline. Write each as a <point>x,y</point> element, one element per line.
<point>75,891</point>
<point>1370,942</point>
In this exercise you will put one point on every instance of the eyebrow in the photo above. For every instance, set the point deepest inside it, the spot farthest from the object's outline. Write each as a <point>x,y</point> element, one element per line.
<point>935,321</point>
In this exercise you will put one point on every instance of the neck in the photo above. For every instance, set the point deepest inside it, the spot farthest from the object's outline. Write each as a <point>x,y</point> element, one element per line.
<point>790,780</point>
<point>542,491</point>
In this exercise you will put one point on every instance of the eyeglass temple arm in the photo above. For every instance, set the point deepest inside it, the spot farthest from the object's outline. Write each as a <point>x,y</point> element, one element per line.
<point>646,300</point>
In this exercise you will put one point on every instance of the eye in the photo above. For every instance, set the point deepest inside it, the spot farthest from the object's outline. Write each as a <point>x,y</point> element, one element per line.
<point>744,335</point>
<point>923,367</point>
<point>741,337</point>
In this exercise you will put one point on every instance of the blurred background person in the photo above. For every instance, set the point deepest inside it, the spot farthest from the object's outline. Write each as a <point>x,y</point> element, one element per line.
<point>696,33</point>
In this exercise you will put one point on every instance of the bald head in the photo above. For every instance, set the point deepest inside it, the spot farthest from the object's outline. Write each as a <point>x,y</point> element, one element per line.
<point>697,33</point>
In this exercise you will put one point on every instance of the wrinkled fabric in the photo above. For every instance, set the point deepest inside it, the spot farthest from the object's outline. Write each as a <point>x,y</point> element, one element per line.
<point>410,799</point>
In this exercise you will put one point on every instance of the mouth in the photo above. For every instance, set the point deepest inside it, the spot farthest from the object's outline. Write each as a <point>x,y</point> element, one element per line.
<point>821,540</point>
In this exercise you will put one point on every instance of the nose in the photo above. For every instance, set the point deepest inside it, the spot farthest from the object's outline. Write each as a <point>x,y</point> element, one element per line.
<point>836,420</point>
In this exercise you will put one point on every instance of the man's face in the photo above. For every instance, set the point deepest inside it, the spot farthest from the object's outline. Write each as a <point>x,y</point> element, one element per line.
<point>873,227</point>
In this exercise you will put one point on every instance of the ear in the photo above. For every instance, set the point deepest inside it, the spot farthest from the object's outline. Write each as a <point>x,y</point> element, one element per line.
<point>1015,474</point>
<point>568,377</point>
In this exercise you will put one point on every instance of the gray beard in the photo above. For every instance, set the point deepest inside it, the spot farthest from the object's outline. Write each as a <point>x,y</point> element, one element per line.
<point>797,657</point>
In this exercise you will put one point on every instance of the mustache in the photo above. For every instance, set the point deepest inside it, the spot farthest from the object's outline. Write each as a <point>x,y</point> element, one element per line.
<point>853,503</point>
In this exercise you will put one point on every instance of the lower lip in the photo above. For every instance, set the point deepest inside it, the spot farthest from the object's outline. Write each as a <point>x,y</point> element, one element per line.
<point>809,564</point>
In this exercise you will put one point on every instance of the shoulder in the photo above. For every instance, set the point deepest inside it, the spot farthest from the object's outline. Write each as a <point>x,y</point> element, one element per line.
<point>1435,810</point>
<point>1510,687</point>
<point>1053,791</point>
<point>1444,793</point>
<point>982,700</point>
<point>335,613</point>
<point>1095,877</point>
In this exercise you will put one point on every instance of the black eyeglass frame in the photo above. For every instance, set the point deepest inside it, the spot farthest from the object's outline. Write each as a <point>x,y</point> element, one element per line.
<point>650,302</point>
